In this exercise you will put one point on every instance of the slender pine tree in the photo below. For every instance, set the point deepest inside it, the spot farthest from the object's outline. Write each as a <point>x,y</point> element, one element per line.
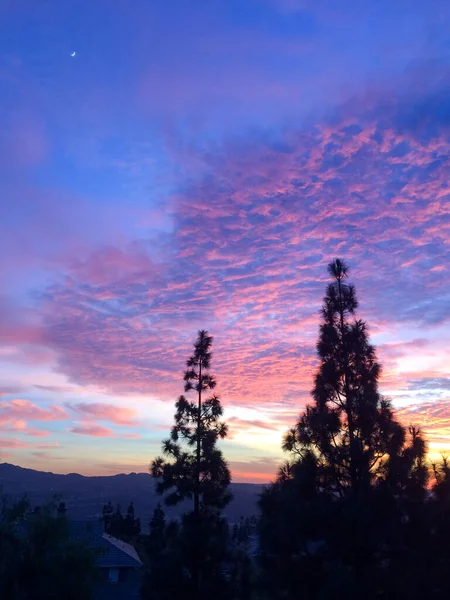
<point>194,467</point>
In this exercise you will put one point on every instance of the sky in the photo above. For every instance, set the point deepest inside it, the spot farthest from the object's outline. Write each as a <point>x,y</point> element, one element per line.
<point>168,166</point>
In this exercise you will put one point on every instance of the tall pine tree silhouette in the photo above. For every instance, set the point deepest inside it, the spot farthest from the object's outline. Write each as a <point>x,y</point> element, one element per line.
<point>193,466</point>
<point>349,428</point>
<point>337,520</point>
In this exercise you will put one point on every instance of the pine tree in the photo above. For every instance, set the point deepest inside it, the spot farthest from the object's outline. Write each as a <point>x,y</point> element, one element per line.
<point>195,467</point>
<point>107,515</point>
<point>116,524</point>
<point>349,428</point>
<point>131,525</point>
<point>341,517</point>
<point>157,536</point>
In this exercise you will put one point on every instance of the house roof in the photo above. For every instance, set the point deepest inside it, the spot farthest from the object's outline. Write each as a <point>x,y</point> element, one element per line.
<point>120,552</point>
<point>110,551</point>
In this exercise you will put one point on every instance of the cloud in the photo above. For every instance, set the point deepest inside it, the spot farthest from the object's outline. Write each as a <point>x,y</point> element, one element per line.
<point>34,432</point>
<point>12,443</point>
<point>245,424</point>
<point>9,390</point>
<point>113,264</point>
<point>57,389</point>
<point>433,418</point>
<point>48,456</point>
<point>48,446</point>
<point>394,350</point>
<point>430,383</point>
<point>92,429</point>
<point>18,326</point>
<point>29,411</point>
<point>253,234</point>
<point>22,427</point>
<point>120,415</point>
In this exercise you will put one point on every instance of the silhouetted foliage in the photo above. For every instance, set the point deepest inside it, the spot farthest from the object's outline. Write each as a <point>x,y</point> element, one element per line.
<point>38,560</point>
<point>115,524</point>
<point>132,525</point>
<point>346,516</point>
<point>107,515</point>
<point>349,429</point>
<point>241,567</point>
<point>157,537</point>
<point>164,576</point>
<point>178,552</point>
<point>195,468</point>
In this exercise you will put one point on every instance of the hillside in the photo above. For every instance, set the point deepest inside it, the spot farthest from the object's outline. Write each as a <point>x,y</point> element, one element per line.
<point>85,496</point>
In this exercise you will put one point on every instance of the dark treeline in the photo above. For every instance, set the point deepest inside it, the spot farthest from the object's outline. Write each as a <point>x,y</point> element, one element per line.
<point>355,512</point>
<point>38,558</point>
<point>117,525</point>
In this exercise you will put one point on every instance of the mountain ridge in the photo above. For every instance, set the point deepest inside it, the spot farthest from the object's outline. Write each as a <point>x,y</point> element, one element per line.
<point>85,495</point>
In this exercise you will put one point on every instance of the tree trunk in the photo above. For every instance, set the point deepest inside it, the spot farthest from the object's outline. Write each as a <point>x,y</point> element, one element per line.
<point>348,399</point>
<point>198,573</point>
<point>198,457</point>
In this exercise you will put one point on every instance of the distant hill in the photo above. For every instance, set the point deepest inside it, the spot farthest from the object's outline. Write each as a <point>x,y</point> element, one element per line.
<point>85,496</point>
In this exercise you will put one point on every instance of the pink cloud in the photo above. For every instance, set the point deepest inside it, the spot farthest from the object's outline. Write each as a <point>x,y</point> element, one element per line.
<point>111,263</point>
<point>27,410</point>
<point>34,432</point>
<point>17,326</point>
<point>434,419</point>
<point>21,426</point>
<point>92,430</point>
<point>398,349</point>
<point>57,389</point>
<point>120,415</point>
<point>131,436</point>
<point>48,446</point>
<point>433,416</point>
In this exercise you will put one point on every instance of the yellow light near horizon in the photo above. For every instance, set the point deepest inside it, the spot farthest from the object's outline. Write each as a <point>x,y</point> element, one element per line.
<point>264,440</point>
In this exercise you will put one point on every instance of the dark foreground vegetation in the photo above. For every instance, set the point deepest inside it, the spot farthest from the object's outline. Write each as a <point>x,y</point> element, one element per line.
<point>355,512</point>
